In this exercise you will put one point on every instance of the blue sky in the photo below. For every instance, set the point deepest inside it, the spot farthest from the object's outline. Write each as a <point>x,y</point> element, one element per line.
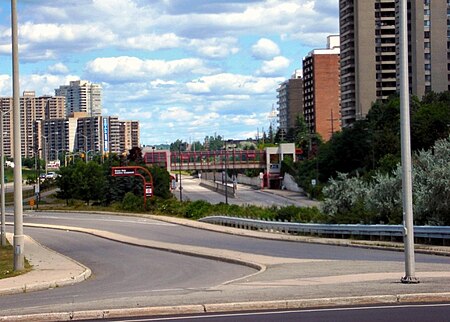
<point>185,69</point>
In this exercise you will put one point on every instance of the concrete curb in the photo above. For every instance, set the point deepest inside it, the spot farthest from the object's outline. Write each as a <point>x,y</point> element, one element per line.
<point>238,306</point>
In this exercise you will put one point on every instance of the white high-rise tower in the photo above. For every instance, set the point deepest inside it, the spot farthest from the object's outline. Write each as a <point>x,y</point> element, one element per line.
<point>82,96</point>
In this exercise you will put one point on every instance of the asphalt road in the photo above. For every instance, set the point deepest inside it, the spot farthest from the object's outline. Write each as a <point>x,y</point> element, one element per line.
<point>129,276</point>
<point>166,232</point>
<point>245,195</point>
<point>398,313</point>
<point>123,275</point>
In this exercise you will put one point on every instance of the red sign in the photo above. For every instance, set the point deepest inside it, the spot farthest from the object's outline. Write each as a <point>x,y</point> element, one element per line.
<point>148,190</point>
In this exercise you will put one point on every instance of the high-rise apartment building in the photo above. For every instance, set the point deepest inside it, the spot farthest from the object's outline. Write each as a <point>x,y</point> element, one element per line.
<point>321,90</point>
<point>46,131</point>
<point>82,96</point>
<point>112,134</point>
<point>290,102</point>
<point>32,109</point>
<point>369,38</point>
<point>54,136</point>
<point>89,135</point>
<point>105,135</point>
<point>130,135</point>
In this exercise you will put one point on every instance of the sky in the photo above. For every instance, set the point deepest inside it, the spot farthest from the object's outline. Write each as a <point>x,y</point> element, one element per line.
<point>185,69</point>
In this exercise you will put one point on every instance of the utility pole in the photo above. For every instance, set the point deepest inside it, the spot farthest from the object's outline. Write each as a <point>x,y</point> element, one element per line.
<point>2,179</point>
<point>332,119</point>
<point>19,259</point>
<point>226,173</point>
<point>181,187</point>
<point>408,224</point>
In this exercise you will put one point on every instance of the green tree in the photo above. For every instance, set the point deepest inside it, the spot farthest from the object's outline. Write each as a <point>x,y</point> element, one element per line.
<point>431,121</point>
<point>161,182</point>
<point>135,156</point>
<point>66,184</point>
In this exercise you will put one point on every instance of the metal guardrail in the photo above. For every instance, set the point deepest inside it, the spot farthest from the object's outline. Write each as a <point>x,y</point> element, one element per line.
<point>362,231</point>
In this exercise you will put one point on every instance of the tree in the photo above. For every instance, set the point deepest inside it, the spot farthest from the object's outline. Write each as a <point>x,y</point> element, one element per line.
<point>178,145</point>
<point>271,134</point>
<point>66,184</point>
<point>431,121</point>
<point>161,182</point>
<point>215,142</point>
<point>431,173</point>
<point>135,155</point>
<point>381,198</point>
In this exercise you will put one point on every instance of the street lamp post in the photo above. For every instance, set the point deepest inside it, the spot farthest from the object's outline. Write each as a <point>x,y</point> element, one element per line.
<point>85,145</point>
<point>19,240</point>
<point>2,180</point>
<point>226,174</point>
<point>153,155</point>
<point>408,226</point>
<point>37,166</point>
<point>181,187</point>
<point>45,152</point>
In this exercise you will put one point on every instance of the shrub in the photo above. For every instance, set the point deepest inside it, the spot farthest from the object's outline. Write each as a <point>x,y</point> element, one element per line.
<point>198,209</point>
<point>132,202</point>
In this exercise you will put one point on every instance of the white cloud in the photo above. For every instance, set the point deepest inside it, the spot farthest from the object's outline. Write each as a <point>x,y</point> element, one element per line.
<point>132,69</point>
<point>265,49</point>
<point>5,85</point>
<point>58,68</point>
<point>66,33</point>
<point>226,83</point>
<point>176,114</point>
<point>275,67</point>
<point>44,84</point>
<point>214,47</point>
<point>151,42</point>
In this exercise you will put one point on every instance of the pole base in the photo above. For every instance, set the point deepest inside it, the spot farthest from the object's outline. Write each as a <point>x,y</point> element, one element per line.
<point>410,280</point>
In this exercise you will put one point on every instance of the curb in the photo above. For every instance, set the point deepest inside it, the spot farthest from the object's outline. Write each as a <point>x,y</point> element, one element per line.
<point>238,306</point>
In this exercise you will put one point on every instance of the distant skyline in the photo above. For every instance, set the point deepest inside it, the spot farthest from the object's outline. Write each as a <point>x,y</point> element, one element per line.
<point>185,69</point>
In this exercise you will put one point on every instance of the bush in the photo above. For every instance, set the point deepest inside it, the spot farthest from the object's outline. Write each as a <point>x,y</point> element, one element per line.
<point>132,202</point>
<point>198,209</point>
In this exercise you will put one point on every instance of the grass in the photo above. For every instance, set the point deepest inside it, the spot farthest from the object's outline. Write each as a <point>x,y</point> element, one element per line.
<point>7,263</point>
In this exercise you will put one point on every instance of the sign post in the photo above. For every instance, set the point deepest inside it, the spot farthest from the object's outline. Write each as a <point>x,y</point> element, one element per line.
<point>128,171</point>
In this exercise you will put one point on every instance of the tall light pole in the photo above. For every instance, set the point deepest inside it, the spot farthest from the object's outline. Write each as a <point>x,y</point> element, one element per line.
<point>226,174</point>
<point>19,260</point>
<point>45,152</point>
<point>181,187</point>
<point>2,180</point>
<point>85,146</point>
<point>408,224</point>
